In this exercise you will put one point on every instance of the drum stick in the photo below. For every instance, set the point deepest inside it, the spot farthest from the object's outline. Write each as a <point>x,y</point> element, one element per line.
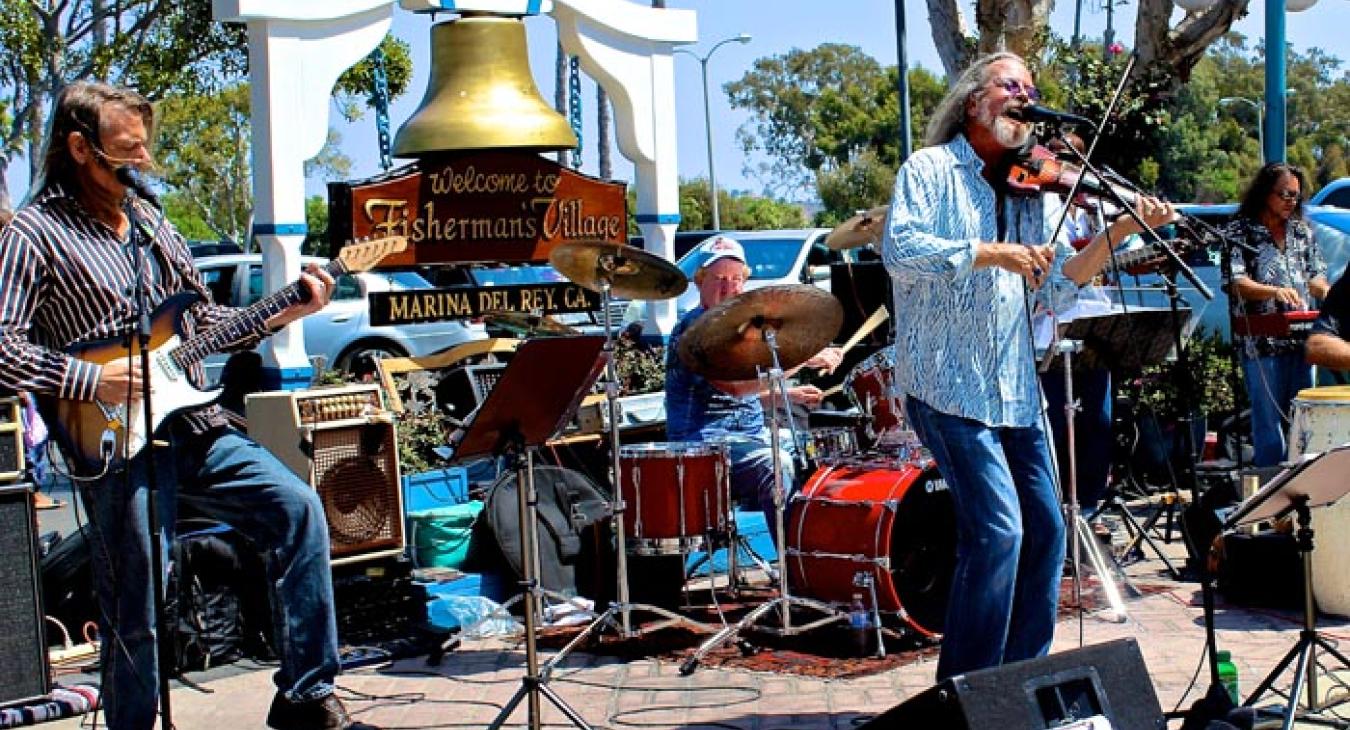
<point>832,390</point>
<point>879,316</point>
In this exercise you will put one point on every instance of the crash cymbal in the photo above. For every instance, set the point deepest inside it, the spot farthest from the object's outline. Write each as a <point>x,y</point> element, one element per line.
<point>727,341</point>
<point>632,272</point>
<point>524,324</point>
<point>860,230</point>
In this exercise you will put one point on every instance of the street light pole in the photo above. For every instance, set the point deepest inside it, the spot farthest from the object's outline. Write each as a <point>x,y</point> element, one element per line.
<point>707,118</point>
<point>1260,120</point>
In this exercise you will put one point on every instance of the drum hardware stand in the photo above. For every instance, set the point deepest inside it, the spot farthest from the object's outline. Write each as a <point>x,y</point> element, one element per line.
<point>1312,483</point>
<point>621,608</point>
<point>1139,533</point>
<point>511,424</point>
<point>785,600</point>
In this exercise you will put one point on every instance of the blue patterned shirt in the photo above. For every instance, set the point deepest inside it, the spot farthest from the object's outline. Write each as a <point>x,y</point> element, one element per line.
<point>962,336</point>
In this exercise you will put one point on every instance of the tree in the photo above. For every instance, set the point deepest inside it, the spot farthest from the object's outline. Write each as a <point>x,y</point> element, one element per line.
<point>1022,26</point>
<point>738,212</point>
<point>827,121</point>
<point>151,45</point>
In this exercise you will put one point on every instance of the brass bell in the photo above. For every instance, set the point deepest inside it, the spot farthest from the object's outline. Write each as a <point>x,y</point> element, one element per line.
<point>481,94</point>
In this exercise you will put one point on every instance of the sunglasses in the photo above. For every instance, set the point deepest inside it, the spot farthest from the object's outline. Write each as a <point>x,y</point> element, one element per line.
<point>1017,88</point>
<point>1286,194</point>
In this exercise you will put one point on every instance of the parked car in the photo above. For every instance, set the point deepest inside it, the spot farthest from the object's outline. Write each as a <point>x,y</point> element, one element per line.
<point>1336,192</point>
<point>684,240</point>
<point>790,256</point>
<point>1330,226</point>
<point>341,332</point>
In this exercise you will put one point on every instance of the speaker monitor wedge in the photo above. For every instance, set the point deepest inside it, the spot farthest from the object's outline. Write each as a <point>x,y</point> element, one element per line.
<point>1107,681</point>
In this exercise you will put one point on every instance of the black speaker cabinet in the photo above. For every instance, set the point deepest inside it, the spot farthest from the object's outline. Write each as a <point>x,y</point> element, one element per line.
<point>1107,680</point>
<point>24,674</point>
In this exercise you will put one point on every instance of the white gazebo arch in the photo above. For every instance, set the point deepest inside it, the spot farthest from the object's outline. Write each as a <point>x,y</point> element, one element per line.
<point>299,48</point>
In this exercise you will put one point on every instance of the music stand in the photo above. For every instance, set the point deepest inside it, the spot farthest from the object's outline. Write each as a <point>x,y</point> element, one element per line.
<point>1125,340</point>
<point>1314,482</point>
<point>536,396</point>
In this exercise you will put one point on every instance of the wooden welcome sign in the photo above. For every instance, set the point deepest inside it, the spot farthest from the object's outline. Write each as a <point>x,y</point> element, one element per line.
<point>479,206</point>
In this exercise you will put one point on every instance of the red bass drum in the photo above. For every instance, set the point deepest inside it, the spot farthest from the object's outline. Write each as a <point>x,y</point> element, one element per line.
<point>890,519</point>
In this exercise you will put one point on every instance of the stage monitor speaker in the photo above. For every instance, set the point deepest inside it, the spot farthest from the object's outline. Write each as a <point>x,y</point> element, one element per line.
<point>343,442</point>
<point>24,673</point>
<point>1106,681</point>
<point>11,440</point>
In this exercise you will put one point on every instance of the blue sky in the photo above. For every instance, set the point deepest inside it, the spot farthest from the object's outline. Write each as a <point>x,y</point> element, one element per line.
<point>776,27</point>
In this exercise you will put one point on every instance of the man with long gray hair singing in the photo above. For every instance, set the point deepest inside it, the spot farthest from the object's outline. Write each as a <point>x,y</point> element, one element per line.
<point>969,261</point>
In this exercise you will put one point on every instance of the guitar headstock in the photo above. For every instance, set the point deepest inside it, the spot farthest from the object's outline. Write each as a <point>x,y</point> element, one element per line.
<point>363,255</point>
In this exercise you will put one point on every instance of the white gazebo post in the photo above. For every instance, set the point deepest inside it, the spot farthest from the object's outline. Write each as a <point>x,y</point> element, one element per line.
<point>629,49</point>
<point>297,51</point>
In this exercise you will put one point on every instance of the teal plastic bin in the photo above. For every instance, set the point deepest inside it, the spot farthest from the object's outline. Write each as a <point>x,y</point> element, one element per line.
<point>440,536</point>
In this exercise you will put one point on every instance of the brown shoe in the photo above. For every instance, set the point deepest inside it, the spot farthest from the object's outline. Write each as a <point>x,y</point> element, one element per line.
<point>322,714</point>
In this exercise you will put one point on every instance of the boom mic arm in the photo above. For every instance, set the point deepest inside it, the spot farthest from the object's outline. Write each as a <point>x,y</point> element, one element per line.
<point>1037,113</point>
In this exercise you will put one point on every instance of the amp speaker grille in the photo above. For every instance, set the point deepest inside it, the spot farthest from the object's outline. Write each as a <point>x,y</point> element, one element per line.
<point>356,475</point>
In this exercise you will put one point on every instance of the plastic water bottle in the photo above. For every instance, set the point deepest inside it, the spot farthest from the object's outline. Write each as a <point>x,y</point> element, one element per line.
<point>1228,676</point>
<point>859,621</point>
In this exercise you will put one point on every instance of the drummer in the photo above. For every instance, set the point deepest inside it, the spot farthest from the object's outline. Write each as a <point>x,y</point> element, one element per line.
<point>732,412</point>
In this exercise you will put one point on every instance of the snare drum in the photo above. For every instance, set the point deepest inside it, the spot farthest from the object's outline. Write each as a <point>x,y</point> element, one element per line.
<point>871,387</point>
<point>834,443</point>
<point>888,520</point>
<point>1321,420</point>
<point>675,495</point>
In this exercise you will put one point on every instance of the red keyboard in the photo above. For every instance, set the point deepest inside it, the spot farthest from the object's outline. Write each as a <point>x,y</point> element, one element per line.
<point>1278,324</point>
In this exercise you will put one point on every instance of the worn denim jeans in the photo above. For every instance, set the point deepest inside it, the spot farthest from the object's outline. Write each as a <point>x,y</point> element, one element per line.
<point>225,476</point>
<point>752,475</point>
<point>1010,539</point>
<point>1272,383</point>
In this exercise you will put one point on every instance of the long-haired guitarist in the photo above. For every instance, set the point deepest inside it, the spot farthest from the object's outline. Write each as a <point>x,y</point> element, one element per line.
<point>68,278</point>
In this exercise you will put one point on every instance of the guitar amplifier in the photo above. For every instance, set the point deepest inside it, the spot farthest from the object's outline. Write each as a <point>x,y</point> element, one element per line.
<point>11,440</point>
<point>343,442</point>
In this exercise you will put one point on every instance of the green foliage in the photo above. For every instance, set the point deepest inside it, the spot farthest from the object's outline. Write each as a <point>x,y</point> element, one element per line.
<point>1218,384</point>
<point>203,150</point>
<point>642,369</point>
<point>185,218</point>
<point>418,434</point>
<point>355,87</point>
<point>858,184</point>
<point>316,221</point>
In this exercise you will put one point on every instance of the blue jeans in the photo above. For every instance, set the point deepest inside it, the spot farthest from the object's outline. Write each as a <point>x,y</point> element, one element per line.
<point>1272,383</point>
<point>1009,539</point>
<point>752,476</point>
<point>225,476</point>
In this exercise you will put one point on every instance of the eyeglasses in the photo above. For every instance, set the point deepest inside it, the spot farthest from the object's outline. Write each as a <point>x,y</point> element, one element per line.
<point>1017,88</point>
<point>1286,194</point>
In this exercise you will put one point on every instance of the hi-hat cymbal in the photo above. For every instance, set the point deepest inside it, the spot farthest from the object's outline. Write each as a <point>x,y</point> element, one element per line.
<point>727,342</point>
<point>860,230</point>
<point>524,324</point>
<point>632,273</point>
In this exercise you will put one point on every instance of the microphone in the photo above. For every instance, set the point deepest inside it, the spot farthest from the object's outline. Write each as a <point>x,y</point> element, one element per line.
<point>1037,113</point>
<point>132,178</point>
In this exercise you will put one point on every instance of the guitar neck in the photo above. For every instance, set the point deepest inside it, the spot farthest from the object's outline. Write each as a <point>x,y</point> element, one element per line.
<point>239,327</point>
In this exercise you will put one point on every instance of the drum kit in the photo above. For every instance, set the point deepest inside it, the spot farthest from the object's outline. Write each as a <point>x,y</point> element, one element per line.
<point>875,520</point>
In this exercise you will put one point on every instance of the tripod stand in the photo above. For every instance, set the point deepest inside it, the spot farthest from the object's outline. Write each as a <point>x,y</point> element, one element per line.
<point>601,267</point>
<point>785,600</point>
<point>1313,483</point>
<point>537,394</point>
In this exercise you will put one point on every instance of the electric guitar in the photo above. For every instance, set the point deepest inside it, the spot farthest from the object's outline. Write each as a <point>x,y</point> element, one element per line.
<point>95,436</point>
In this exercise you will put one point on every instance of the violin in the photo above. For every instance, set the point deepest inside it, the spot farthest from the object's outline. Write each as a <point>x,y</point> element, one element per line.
<point>1038,170</point>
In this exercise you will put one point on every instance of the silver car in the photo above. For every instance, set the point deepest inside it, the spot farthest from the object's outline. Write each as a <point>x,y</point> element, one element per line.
<point>341,332</point>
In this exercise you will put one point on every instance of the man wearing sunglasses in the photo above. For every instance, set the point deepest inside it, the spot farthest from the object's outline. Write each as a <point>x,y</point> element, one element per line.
<point>1278,268</point>
<point>967,259</point>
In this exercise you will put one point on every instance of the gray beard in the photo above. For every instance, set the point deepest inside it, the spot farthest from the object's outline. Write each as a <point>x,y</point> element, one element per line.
<point>1006,132</point>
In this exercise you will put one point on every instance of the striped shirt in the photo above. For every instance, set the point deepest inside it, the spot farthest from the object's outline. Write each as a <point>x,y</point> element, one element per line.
<point>66,278</point>
<point>962,336</point>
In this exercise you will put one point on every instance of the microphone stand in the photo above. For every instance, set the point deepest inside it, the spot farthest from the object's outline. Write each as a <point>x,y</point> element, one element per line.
<point>141,346</point>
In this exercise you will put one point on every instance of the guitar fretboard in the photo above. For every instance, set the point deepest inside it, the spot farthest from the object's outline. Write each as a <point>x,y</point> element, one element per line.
<point>247,322</point>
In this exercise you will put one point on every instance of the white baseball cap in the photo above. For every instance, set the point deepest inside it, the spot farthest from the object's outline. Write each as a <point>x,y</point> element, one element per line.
<point>720,247</point>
